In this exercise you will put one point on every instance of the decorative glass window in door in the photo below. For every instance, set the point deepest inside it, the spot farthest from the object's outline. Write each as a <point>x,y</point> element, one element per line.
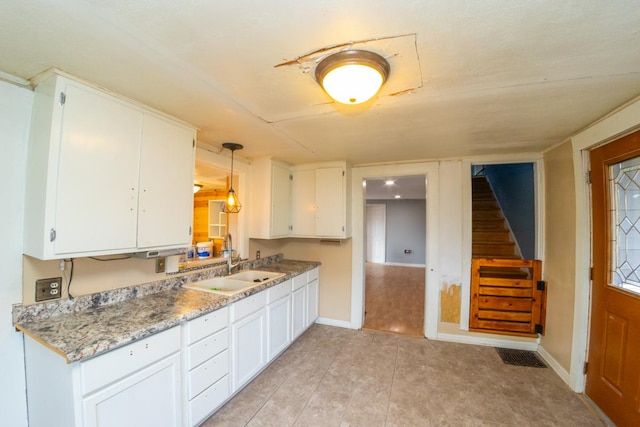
<point>217,219</point>
<point>624,178</point>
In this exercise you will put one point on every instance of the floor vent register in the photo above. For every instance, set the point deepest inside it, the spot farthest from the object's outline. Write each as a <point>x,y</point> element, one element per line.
<point>520,358</point>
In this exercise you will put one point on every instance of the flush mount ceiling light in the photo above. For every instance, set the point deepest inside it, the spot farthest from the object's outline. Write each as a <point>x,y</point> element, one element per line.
<point>196,187</point>
<point>232,204</point>
<point>352,76</point>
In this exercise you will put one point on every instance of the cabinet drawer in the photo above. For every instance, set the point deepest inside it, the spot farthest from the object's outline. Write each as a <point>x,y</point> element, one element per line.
<point>208,373</point>
<point>109,367</point>
<point>208,401</point>
<point>207,348</point>
<point>278,291</point>
<point>207,324</point>
<point>248,305</point>
<point>313,274</point>
<point>299,281</point>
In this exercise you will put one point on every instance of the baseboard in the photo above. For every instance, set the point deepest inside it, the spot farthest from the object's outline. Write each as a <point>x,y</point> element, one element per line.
<point>400,264</point>
<point>488,341</point>
<point>553,364</point>
<point>333,322</point>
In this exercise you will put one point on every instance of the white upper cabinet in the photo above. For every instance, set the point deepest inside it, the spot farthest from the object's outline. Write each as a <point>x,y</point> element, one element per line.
<point>104,175</point>
<point>270,204</point>
<point>320,201</point>
<point>166,188</point>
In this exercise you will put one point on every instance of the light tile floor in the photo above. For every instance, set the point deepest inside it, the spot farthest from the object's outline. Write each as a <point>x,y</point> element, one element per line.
<point>340,377</point>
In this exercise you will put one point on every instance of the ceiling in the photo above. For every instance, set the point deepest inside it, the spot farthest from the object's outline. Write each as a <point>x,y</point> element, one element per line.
<point>467,78</point>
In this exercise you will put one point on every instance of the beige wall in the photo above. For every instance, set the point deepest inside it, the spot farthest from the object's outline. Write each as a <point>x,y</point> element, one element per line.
<point>335,271</point>
<point>89,275</point>
<point>560,256</point>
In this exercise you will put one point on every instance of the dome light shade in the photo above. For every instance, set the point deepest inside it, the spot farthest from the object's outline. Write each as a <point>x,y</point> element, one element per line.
<point>352,76</point>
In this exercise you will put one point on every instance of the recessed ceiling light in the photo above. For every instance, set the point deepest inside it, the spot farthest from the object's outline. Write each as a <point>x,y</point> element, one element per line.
<point>389,182</point>
<point>397,196</point>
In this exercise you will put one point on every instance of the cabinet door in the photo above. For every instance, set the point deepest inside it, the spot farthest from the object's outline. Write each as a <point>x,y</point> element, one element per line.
<point>330,209</point>
<point>280,201</point>
<point>312,302</point>
<point>298,311</point>
<point>149,397</point>
<point>304,198</point>
<point>166,184</point>
<point>249,353</point>
<point>278,326</point>
<point>97,187</point>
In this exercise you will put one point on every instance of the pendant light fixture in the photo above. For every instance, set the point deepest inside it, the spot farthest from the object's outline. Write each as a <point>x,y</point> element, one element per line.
<point>352,76</point>
<point>232,204</point>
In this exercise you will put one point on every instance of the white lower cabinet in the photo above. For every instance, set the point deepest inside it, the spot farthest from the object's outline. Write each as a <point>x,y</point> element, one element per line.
<point>178,377</point>
<point>147,397</point>
<point>278,319</point>
<point>206,361</point>
<point>138,384</point>
<point>313,289</point>
<point>298,305</point>
<point>248,339</point>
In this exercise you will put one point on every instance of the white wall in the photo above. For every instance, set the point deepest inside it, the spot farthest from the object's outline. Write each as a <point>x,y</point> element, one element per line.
<point>15,115</point>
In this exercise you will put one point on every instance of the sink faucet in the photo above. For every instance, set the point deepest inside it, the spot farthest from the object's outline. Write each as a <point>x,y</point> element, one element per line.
<point>230,264</point>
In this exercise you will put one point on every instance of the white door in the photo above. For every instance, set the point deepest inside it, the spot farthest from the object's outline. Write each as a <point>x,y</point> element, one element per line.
<point>376,233</point>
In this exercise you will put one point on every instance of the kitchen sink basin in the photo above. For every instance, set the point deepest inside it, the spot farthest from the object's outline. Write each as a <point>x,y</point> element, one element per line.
<point>255,276</point>
<point>235,283</point>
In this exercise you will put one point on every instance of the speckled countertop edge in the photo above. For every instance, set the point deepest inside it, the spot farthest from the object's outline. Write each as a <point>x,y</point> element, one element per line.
<point>79,333</point>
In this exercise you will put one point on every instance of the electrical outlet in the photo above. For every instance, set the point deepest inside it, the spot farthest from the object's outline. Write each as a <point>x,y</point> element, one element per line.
<point>257,254</point>
<point>160,264</point>
<point>47,289</point>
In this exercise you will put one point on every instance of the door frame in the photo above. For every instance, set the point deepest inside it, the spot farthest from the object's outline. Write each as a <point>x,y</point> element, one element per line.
<point>619,123</point>
<point>538,182</point>
<point>383,208</point>
<point>358,202</point>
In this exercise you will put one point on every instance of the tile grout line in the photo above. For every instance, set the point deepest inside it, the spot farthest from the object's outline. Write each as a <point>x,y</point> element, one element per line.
<point>393,377</point>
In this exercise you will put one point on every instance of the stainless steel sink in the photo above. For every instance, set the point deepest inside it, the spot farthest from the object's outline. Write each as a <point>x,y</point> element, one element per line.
<point>234,283</point>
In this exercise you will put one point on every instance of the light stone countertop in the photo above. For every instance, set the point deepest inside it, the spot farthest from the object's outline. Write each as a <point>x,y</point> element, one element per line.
<point>87,332</point>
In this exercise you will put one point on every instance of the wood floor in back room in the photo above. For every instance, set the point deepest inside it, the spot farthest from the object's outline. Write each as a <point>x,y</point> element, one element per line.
<point>394,299</point>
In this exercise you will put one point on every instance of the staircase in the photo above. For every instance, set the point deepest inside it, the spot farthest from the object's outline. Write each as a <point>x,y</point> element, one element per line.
<point>491,239</point>
<point>507,293</point>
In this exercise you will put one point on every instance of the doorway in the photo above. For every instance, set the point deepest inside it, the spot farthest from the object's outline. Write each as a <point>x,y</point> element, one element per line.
<point>395,224</point>
<point>613,369</point>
